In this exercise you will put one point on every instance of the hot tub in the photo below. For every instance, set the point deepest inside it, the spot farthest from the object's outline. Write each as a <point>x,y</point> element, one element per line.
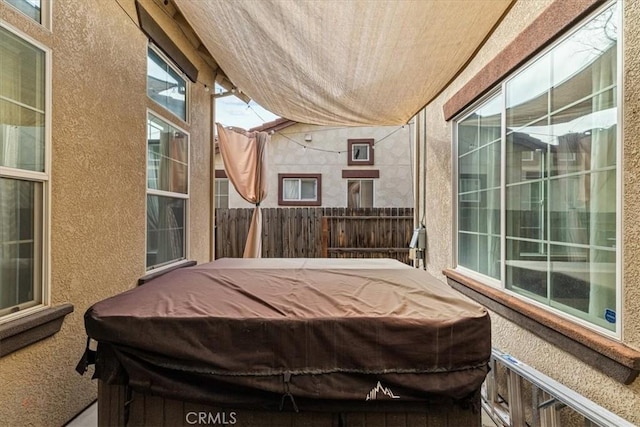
<point>317,341</point>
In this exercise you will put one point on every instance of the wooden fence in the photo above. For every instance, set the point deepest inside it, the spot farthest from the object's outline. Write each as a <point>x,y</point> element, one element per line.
<point>319,232</point>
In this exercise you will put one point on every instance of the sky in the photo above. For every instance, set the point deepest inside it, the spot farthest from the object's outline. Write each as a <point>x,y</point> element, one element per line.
<point>232,111</point>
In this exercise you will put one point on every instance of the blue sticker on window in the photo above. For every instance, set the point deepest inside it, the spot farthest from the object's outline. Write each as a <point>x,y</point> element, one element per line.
<point>610,315</point>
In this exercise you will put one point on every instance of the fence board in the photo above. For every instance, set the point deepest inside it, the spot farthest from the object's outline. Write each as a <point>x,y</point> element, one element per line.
<point>318,232</point>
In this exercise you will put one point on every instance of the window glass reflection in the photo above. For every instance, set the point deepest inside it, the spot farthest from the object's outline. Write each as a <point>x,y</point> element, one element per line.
<point>165,86</point>
<point>527,94</point>
<point>166,219</point>
<point>22,103</point>
<point>20,243</point>
<point>560,182</point>
<point>31,8</point>
<point>168,150</point>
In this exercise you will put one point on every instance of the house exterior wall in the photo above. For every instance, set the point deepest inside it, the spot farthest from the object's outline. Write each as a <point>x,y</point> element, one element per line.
<point>623,400</point>
<point>392,159</point>
<point>98,191</point>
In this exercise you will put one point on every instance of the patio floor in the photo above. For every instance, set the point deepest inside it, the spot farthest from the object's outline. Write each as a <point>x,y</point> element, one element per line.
<point>86,418</point>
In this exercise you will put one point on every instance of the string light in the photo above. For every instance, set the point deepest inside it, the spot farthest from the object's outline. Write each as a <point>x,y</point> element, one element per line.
<point>324,150</point>
<point>324,129</point>
<point>305,146</point>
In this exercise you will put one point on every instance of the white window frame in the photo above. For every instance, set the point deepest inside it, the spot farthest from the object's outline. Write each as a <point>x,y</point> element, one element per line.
<point>356,145</point>
<point>529,156</point>
<point>500,89</point>
<point>353,144</point>
<point>41,177</point>
<point>300,199</point>
<point>162,193</point>
<point>218,195</point>
<point>187,94</point>
<point>299,177</point>
<point>373,189</point>
<point>45,12</point>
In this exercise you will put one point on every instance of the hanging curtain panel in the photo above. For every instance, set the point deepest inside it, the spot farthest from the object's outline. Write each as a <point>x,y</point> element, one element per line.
<point>245,161</point>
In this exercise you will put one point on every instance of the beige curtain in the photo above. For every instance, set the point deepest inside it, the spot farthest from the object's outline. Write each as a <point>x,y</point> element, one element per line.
<point>171,175</point>
<point>245,160</point>
<point>11,196</point>
<point>602,192</point>
<point>354,194</point>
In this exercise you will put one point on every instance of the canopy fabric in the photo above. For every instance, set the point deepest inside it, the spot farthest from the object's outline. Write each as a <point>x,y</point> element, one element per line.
<point>244,155</point>
<point>334,62</point>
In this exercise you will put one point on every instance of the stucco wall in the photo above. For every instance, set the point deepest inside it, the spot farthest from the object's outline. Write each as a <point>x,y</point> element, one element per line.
<point>392,159</point>
<point>631,175</point>
<point>98,193</point>
<point>508,337</point>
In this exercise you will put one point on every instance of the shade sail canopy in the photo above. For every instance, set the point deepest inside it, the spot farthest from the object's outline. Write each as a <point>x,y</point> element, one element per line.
<point>356,62</point>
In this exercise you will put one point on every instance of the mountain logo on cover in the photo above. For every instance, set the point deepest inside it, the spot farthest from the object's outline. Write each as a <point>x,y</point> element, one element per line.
<point>382,391</point>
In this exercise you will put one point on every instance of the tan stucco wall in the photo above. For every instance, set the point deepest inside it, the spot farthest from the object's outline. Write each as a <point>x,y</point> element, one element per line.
<point>392,159</point>
<point>98,193</point>
<point>508,337</point>
<point>631,175</point>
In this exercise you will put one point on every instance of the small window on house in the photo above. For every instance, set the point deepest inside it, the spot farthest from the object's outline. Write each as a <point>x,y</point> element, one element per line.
<point>360,152</point>
<point>360,193</point>
<point>222,193</point>
<point>299,190</point>
<point>165,85</point>
<point>24,174</point>
<point>167,192</point>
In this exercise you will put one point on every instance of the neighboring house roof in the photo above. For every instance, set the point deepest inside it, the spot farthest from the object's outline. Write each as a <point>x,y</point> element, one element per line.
<point>275,125</point>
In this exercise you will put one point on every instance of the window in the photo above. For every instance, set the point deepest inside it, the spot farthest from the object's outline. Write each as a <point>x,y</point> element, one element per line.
<point>23,173</point>
<point>299,190</point>
<point>222,193</point>
<point>360,151</point>
<point>544,224</point>
<point>360,193</point>
<point>165,85</point>
<point>479,147</point>
<point>34,9</point>
<point>167,192</point>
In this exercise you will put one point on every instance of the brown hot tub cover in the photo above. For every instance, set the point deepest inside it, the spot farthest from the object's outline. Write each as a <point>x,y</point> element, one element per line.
<point>253,331</point>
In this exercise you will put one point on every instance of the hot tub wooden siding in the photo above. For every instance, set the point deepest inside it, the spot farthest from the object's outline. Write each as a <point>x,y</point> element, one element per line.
<point>154,411</point>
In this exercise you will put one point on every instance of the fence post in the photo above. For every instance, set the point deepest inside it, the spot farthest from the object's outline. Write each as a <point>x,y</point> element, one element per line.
<point>325,237</point>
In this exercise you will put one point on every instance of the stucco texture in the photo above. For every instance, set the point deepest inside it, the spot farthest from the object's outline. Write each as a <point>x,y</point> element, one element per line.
<point>436,208</point>
<point>98,193</point>
<point>631,175</point>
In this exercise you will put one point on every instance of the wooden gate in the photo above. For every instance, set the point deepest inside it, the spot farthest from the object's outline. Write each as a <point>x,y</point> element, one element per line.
<point>368,233</point>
